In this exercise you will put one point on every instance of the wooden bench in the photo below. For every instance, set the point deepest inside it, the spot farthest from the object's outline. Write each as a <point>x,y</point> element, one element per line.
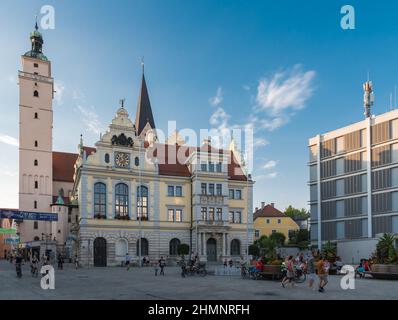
<point>270,271</point>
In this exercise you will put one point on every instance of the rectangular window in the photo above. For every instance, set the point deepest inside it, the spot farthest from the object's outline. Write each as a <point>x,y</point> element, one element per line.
<point>238,194</point>
<point>35,65</point>
<point>279,221</point>
<point>171,215</point>
<point>170,191</point>
<point>211,166</point>
<point>204,188</point>
<point>203,167</point>
<point>219,214</point>
<point>35,225</point>
<point>267,221</point>
<point>219,189</point>
<point>178,217</point>
<point>211,214</point>
<point>204,213</point>
<point>231,217</point>
<point>231,194</point>
<point>35,204</point>
<point>219,167</point>
<point>178,191</point>
<point>211,189</point>
<point>238,217</point>
<point>256,233</point>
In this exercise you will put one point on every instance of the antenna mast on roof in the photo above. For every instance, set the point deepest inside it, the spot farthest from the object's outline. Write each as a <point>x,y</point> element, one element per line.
<point>368,97</point>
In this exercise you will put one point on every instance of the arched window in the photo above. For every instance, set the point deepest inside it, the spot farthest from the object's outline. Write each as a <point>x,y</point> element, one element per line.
<point>235,247</point>
<point>121,201</point>
<point>144,247</point>
<point>36,163</point>
<point>36,185</point>
<point>36,93</point>
<point>137,161</point>
<point>36,143</point>
<point>142,203</point>
<point>174,243</point>
<point>35,204</point>
<point>36,115</point>
<point>99,200</point>
<point>121,249</point>
<point>107,158</point>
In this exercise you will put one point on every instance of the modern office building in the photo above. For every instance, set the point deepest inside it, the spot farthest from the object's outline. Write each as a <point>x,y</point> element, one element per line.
<point>354,178</point>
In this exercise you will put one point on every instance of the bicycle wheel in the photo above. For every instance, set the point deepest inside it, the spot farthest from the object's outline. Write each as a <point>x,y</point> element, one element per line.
<point>301,278</point>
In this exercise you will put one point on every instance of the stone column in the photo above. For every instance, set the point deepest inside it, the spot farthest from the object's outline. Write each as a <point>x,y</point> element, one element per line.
<point>223,244</point>
<point>204,244</point>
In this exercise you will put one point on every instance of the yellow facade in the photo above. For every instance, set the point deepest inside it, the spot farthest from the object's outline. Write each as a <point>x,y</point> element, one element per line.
<point>265,226</point>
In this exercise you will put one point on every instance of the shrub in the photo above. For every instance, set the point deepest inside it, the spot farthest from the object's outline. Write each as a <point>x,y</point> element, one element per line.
<point>183,249</point>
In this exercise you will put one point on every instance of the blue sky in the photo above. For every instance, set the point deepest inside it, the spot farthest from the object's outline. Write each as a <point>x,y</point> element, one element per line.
<point>286,68</point>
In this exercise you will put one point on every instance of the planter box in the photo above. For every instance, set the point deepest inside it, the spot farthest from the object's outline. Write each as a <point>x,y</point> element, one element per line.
<point>385,268</point>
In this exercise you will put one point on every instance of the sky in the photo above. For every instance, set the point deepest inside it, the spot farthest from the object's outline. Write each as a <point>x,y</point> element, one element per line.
<point>287,69</point>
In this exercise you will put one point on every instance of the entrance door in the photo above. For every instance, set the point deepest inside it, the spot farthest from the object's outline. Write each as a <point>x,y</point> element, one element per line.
<point>99,252</point>
<point>211,248</point>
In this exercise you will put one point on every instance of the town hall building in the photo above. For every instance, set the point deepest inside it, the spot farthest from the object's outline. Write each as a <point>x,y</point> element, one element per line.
<point>129,193</point>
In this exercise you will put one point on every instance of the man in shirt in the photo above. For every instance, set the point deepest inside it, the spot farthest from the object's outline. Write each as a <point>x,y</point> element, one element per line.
<point>323,270</point>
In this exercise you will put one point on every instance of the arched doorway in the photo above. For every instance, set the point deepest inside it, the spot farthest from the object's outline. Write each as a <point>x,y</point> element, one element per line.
<point>211,249</point>
<point>144,247</point>
<point>235,247</point>
<point>121,249</point>
<point>99,252</point>
<point>174,243</point>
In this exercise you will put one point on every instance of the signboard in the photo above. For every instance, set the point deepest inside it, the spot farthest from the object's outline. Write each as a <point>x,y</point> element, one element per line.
<point>7,231</point>
<point>26,215</point>
<point>11,240</point>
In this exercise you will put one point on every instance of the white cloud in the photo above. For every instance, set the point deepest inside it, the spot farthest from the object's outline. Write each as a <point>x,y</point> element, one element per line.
<point>219,118</point>
<point>218,98</point>
<point>59,88</point>
<point>9,140</point>
<point>270,164</point>
<point>285,90</point>
<point>260,142</point>
<point>246,87</point>
<point>91,119</point>
<point>272,124</point>
<point>265,176</point>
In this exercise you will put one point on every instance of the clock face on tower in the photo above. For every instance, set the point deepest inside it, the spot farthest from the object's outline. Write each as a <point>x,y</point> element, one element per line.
<point>122,160</point>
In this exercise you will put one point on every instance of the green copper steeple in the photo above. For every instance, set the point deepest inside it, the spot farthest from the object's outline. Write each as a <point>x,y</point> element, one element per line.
<point>36,40</point>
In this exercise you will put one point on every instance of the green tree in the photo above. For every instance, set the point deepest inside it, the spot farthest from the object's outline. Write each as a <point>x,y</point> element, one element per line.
<point>278,237</point>
<point>267,247</point>
<point>254,250</point>
<point>183,249</point>
<point>295,213</point>
<point>385,249</point>
<point>299,236</point>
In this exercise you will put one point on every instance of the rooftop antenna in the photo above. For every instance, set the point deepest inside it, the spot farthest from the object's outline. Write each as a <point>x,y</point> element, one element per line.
<point>390,101</point>
<point>142,64</point>
<point>368,97</point>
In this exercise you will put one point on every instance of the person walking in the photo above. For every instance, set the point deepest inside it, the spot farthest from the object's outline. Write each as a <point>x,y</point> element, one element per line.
<point>60,262</point>
<point>76,262</point>
<point>311,271</point>
<point>289,272</point>
<point>156,268</point>
<point>323,270</point>
<point>162,264</point>
<point>127,262</point>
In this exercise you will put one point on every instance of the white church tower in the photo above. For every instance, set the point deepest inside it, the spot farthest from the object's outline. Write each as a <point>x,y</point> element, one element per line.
<point>36,89</point>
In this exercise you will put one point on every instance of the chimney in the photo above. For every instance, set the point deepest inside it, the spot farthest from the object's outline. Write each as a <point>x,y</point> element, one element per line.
<point>262,205</point>
<point>272,205</point>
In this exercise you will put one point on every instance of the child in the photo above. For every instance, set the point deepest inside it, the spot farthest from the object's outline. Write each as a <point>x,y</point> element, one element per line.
<point>156,268</point>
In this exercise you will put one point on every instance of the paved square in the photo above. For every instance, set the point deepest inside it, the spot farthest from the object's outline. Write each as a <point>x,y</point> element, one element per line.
<point>140,283</point>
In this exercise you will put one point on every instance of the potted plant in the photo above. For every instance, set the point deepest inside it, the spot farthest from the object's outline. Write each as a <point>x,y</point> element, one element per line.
<point>385,258</point>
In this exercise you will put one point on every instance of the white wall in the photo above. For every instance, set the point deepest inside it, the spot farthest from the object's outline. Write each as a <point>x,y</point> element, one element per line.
<point>352,251</point>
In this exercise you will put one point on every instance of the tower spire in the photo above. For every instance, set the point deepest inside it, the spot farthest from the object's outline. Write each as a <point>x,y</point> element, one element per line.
<point>36,40</point>
<point>144,111</point>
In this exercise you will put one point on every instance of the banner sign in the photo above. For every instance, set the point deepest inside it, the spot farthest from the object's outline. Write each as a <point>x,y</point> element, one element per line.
<point>11,240</point>
<point>26,215</point>
<point>7,231</point>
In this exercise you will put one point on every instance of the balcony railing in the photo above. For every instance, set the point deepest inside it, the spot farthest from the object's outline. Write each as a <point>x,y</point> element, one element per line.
<point>218,223</point>
<point>35,77</point>
<point>206,199</point>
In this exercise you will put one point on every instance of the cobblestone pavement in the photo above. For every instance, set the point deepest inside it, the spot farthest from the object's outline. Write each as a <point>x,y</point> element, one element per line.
<point>140,283</point>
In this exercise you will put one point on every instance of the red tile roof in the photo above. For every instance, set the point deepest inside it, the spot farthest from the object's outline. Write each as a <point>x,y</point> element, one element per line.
<point>269,212</point>
<point>63,166</point>
<point>63,162</point>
